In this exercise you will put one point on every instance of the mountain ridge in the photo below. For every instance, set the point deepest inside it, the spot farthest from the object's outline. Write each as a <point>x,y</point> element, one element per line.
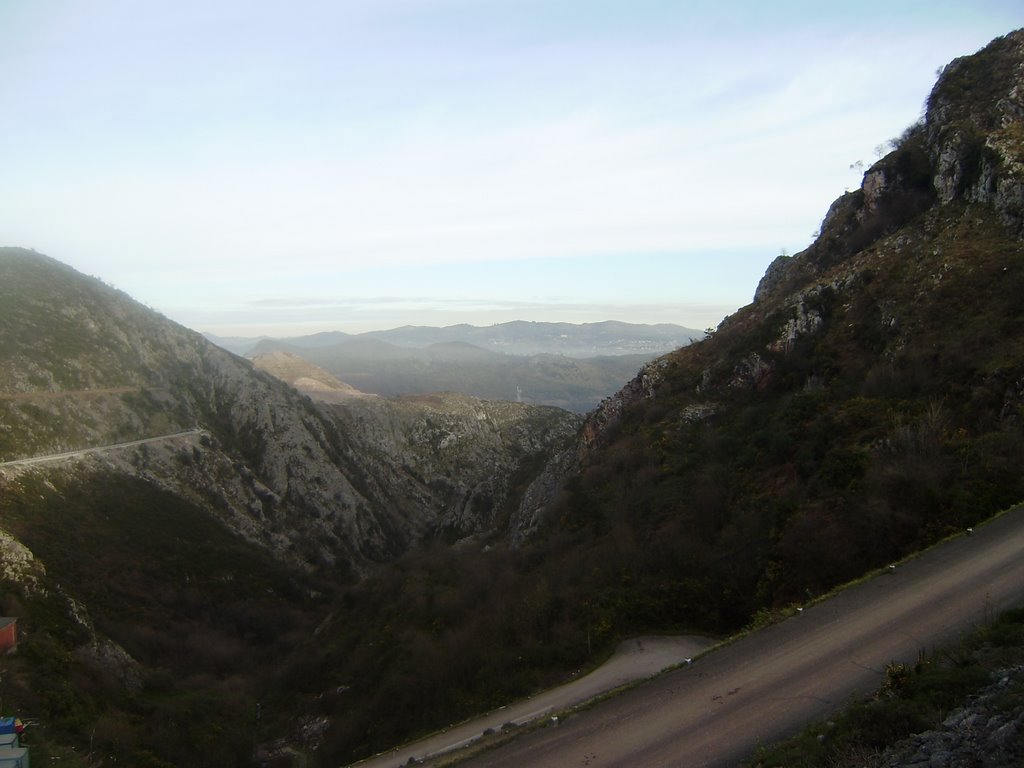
<point>114,370</point>
<point>240,535</point>
<point>380,367</point>
<point>517,337</point>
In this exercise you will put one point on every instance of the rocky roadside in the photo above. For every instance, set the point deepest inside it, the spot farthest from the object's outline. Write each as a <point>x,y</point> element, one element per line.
<point>988,732</point>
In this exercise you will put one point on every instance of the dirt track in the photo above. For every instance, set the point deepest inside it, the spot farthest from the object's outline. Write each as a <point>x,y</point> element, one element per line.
<point>716,711</point>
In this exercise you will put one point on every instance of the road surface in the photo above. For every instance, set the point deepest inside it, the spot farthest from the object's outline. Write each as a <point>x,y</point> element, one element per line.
<point>716,711</point>
<point>634,660</point>
<point>50,457</point>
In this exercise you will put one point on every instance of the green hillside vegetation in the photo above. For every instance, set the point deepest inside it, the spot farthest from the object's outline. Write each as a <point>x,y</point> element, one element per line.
<point>151,631</point>
<point>897,424</point>
<point>72,347</point>
<point>869,402</point>
<point>204,617</point>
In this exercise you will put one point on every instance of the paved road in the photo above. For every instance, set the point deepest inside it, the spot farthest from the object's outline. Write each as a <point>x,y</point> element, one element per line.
<point>50,457</point>
<point>634,660</point>
<point>768,685</point>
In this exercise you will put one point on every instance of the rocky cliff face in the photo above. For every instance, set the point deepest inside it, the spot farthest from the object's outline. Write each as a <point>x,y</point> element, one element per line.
<point>863,299</point>
<point>462,460</point>
<point>85,366</point>
<point>984,733</point>
<point>448,464</point>
<point>967,149</point>
<point>597,430</point>
<point>974,130</point>
<point>193,551</point>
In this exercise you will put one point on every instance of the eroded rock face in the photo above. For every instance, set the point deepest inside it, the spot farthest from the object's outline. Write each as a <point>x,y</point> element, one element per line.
<point>460,458</point>
<point>18,564</point>
<point>530,514</point>
<point>982,734</point>
<point>343,481</point>
<point>773,276</point>
<point>967,149</point>
<point>444,464</point>
<point>974,128</point>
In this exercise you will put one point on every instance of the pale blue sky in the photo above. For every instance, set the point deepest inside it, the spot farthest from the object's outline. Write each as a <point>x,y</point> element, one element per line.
<point>256,166</point>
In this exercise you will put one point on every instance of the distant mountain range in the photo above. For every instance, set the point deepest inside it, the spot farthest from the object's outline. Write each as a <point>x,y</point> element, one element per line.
<point>568,366</point>
<point>515,338</point>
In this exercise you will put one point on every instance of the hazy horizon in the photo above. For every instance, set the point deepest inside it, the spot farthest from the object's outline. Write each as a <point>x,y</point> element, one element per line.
<point>440,327</point>
<point>272,168</point>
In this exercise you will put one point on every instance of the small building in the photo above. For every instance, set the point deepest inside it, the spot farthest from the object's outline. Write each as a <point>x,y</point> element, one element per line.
<point>8,634</point>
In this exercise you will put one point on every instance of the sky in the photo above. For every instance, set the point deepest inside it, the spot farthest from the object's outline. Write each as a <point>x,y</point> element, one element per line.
<point>266,167</point>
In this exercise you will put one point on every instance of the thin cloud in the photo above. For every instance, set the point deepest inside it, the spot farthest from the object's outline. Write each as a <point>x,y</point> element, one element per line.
<point>312,147</point>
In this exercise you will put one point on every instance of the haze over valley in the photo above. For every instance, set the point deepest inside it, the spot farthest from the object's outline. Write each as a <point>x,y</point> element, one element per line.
<point>569,366</point>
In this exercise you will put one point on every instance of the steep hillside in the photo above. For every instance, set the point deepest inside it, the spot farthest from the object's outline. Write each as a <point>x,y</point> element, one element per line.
<point>148,632</point>
<point>85,366</point>
<point>309,379</point>
<point>462,457</point>
<point>868,402</point>
<point>160,585</point>
<point>82,365</point>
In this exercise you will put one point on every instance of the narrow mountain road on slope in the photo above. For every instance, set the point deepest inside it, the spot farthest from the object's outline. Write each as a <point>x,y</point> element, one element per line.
<point>62,393</point>
<point>51,457</point>
<point>763,687</point>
